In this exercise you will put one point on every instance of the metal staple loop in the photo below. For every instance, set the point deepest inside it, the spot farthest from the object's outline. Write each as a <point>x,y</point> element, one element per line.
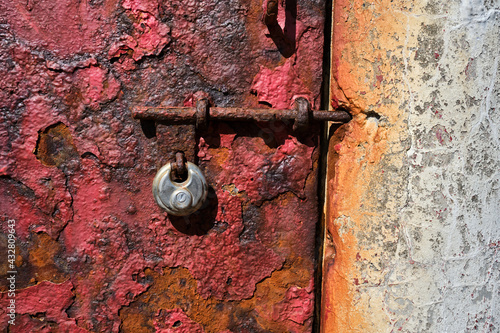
<point>303,110</point>
<point>179,166</point>
<point>271,15</point>
<point>202,112</point>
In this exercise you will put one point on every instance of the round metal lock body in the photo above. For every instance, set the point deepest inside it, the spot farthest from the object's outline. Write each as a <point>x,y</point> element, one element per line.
<point>180,199</point>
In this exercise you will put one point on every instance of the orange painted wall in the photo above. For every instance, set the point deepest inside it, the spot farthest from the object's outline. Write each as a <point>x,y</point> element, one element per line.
<point>410,183</point>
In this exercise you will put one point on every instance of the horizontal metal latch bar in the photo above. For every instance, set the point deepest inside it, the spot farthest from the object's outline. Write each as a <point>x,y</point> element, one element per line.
<point>190,115</point>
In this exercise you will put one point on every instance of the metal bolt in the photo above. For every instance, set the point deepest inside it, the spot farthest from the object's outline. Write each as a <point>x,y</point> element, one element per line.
<point>302,114</point>
<point>271,15</point>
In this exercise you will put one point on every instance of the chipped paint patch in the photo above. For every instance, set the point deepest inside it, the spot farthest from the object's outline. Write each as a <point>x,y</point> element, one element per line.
<point>42,307</point>
<point>55,146</point>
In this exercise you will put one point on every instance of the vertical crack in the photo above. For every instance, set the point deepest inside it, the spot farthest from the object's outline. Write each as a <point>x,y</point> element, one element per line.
<point>322,166</point>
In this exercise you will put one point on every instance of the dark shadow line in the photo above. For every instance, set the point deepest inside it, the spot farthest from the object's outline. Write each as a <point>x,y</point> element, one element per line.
<point>322,166</point>
<point>284,39</point>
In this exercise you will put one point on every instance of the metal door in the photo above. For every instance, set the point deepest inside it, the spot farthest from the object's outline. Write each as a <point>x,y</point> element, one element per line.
<point>92,250</point>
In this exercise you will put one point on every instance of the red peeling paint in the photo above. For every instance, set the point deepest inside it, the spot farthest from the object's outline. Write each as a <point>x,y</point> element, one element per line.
<point>65,27</point>
<point>149,36</point>
<point>97,86</point>
<point>47,300</point>
<point>278,86</point>
<point>76,169</point>
<point>298,305</point>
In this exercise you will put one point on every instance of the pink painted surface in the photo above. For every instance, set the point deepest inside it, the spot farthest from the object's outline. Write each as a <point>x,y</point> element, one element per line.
<point>94,252</point>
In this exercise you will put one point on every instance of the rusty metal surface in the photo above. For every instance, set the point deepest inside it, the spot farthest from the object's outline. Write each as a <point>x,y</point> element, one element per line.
<point>95,253</point>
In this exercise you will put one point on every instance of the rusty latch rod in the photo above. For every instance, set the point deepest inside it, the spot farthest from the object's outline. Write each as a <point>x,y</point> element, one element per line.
<point>301,114</point>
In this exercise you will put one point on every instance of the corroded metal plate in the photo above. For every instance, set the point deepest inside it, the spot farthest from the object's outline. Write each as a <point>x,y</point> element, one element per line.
<point>94,251</point>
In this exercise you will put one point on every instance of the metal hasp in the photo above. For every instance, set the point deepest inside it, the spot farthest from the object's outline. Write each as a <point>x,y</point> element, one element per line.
<point>200,115</point>
<point>179,187</point>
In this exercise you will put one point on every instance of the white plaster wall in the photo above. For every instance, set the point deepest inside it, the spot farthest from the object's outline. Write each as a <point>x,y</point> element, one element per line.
<point>412,213</point>
<point>445,276</point>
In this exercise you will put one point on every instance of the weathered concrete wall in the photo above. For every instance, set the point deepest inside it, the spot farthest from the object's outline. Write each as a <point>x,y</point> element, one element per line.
<point>413,190</point>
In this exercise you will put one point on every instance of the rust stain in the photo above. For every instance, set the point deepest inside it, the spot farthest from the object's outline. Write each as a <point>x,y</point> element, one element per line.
<point>41,263</point>
<point>42,256</point>
<point>175,288</point>
<point>362,80</point>
<point>55,146</point>
<point>347,182</point>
